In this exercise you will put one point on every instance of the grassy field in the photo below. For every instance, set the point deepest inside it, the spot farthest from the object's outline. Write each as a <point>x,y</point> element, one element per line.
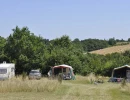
<point>79,89</point>
<point>109,50</point>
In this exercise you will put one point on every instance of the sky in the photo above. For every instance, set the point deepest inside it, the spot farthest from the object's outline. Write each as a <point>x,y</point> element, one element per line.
<point>82,19</point>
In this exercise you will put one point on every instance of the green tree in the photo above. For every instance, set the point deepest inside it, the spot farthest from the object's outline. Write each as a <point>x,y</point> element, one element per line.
<point>3,56</point>
<point>128,39</point>
<point>25,49</point>
<point>112,41</point>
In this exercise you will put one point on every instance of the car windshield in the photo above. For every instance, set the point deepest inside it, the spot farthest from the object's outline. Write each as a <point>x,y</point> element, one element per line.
<point>34,72</point>
<point>3,71</point>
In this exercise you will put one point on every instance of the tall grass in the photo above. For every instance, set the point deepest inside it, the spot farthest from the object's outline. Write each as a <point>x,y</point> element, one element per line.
<point>84,79</point>
<point>125,88</point>
<point>91,77</point>
<point>18,85</point>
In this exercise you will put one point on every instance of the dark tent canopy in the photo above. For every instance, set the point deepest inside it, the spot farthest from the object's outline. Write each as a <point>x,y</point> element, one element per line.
<point>121,72</point>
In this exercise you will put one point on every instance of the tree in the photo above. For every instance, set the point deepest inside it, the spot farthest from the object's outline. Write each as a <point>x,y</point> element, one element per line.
<point>93,44</point>
<point>25,49</point>
<point>28,52</point>
<point>128,39</point>
<point>3,56</point>
<point>112,41</point>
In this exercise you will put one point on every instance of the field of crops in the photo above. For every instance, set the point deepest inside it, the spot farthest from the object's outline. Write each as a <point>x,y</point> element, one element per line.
<point>119,49</point>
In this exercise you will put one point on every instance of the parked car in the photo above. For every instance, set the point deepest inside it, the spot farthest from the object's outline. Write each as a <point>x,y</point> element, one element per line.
<point>35,74</point>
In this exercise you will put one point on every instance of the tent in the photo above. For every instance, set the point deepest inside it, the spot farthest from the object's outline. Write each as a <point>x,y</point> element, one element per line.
<point>66,70</point>
<point>121,72</point>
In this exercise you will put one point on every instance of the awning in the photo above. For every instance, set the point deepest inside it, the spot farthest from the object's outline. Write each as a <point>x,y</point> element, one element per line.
<point>127,66</point>
<point>63,66</point>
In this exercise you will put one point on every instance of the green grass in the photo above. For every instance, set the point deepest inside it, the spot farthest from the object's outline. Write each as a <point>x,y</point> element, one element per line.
<point>79,89</point>
<point>119,95</point>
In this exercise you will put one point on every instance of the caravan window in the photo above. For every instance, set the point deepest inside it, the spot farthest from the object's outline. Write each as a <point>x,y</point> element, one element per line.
<point>3,71</point>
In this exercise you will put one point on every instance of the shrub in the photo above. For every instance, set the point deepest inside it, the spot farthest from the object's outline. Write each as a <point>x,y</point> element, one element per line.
<point>123,83</point>
<point>24,75</point>
<point>60,77</point>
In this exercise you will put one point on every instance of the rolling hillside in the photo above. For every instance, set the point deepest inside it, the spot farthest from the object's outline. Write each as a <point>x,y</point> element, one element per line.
<point>113,49</point>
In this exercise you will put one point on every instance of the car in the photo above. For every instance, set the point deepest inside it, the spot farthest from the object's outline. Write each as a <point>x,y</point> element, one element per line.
<point>35,74</point>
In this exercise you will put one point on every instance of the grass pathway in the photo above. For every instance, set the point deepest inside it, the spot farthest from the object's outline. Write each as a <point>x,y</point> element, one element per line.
<point>87,92</point>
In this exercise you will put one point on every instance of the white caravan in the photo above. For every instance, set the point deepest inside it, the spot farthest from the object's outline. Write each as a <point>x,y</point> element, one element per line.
<point>7,70</point>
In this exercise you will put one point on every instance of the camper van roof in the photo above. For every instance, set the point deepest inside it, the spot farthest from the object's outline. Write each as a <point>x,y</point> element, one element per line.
<point>122,67</point>
<point>66,66</point>
<point>5,65</point>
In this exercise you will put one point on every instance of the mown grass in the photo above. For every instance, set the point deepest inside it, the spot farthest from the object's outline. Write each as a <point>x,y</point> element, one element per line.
<point>79,89</point>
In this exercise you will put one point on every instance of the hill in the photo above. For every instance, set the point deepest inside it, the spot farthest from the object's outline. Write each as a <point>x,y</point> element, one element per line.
<point>113,49</point>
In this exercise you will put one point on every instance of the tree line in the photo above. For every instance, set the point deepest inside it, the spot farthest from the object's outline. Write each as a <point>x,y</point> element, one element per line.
<point>29,51</point>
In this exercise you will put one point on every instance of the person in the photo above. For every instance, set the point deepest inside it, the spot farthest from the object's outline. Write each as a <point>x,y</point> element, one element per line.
<point>49,73</point>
